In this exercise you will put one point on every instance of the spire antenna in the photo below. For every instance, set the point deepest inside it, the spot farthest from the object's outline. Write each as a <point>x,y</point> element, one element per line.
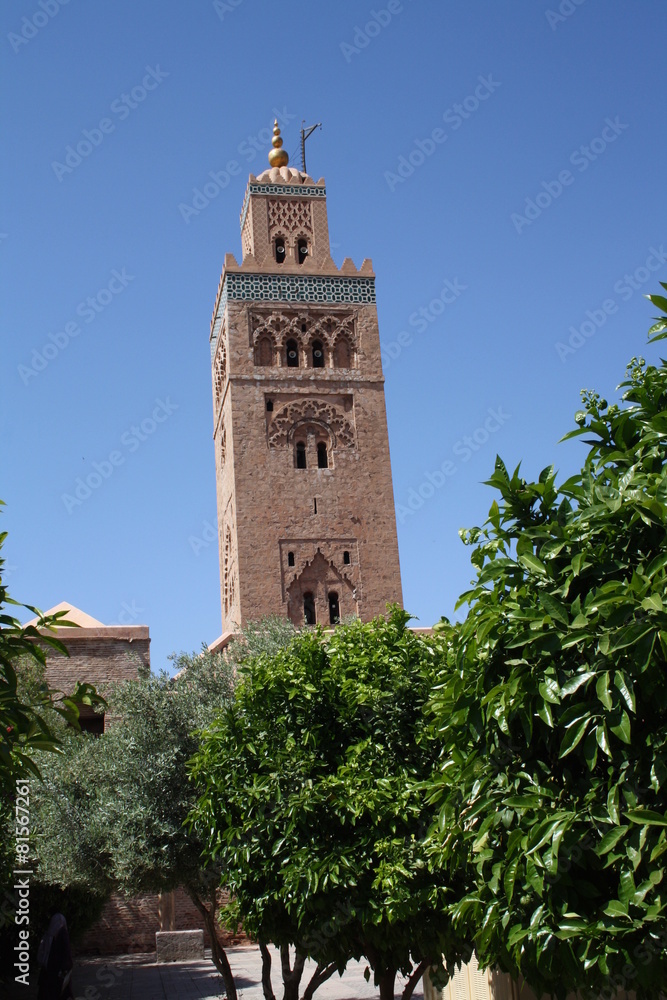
<point>305,134</point>
<point>278,157</point>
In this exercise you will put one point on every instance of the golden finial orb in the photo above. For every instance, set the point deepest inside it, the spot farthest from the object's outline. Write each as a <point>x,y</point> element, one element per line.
<point>277,157</point>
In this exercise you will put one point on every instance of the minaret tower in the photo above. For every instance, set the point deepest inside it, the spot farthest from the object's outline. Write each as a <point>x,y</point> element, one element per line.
<point>305,503</point>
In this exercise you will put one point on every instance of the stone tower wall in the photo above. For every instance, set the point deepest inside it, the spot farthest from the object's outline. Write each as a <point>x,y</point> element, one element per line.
<point>288,532</point>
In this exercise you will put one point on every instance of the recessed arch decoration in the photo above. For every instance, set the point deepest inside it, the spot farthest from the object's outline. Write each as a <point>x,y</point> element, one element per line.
<point>317,412</point>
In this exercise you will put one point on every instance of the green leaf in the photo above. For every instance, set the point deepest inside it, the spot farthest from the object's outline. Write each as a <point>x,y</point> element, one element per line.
<point>646,817</point>
<point>550,691</point>
<point>624,685</point>
<point>554,608</point>
<point>611,839</point>
<point>531,562</point>
<point>602,690</point>
<point>622,729</point>
<point>575,682</point>
<point>510,878</point>
<point>573,736</point>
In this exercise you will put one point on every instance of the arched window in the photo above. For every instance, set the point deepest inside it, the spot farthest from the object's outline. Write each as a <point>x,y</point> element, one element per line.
<point>264,351</point>
<point>269,406</point>
<point>318,354</point>
<point>342,353</point>
<point>309,608</point>
<point>301,250</point>
<point>334,609</point>
<point>301,454</point>
<point>290,558</point>
<point>292,352</point>
<point>322,457</point>
<point>346,557</point>
<point>279,247</point>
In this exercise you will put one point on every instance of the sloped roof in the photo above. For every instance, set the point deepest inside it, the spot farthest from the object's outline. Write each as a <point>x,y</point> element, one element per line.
<point>75,615</point>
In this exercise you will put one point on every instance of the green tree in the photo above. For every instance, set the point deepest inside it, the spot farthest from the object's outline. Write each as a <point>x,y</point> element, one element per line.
<point>110,816</point>
<point>308,802</point>
<point>552,712</point>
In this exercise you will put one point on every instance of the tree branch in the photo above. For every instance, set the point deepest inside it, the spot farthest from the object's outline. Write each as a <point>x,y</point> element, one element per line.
<point>416,975</point>
<point>320,975</point>
<point>267,987</point>
<point>218,954</point>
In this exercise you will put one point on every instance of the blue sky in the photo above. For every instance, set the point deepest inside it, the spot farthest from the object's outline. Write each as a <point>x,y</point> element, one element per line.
<point>501,163</point>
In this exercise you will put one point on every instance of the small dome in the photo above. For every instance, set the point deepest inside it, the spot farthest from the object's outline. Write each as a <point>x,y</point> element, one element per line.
<point>283,175</point>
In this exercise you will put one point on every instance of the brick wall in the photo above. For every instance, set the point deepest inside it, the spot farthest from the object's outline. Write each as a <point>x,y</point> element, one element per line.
<point>129,925</point>
<point>100,656</point>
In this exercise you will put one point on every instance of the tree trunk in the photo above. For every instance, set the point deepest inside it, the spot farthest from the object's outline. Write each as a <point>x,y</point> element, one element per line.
<point>291,976</point>
<point>387,982</point>
<point>267,987</point>
<point>415,976</point>
<point>218,955</point>
<point>320,975</point>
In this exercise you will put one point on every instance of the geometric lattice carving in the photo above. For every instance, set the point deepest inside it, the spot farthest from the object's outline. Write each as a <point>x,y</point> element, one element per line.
<point>223,446</point>
<point>246,239</point>
<point>219,373</point>
<point>290,216</point>
<point>228,573</point>
<point>317,411</point>
<point>282,191</point>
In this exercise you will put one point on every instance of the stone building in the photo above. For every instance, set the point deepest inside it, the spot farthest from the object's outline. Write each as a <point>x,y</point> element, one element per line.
<point>99,654</point>
<point>306,518</point>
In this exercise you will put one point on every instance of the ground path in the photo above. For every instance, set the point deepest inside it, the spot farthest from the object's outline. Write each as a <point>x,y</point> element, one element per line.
<point>136,977</point>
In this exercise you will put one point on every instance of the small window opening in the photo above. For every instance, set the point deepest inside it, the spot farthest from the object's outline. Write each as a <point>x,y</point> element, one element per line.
<point>342,354</point>
<point>309,608</point>
<point>318,354</point>
<point>301,454</point>
<point>322,457</point>
<point>269,405</point>
<point>91,723</point>
<point>292,349</point>
<point>334,609</point>
<point>264,352</point>
<point>280,250</point>
<point>314,505</point>
<point>303,328</point>
<point>301,250</point>
<point>290,558</point>
<point>346,558</point>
